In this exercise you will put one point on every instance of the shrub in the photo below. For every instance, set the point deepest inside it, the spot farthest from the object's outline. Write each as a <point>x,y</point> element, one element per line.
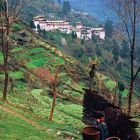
<point>17,27</point>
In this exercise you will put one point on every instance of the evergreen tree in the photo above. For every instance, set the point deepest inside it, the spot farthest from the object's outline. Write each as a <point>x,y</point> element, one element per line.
<point>94,39</point>
<point>32,25</point>
<point>38,28</point>
<point>98,51</point>
<point>115,51</point>
<point>66,8</point>
<point>74,35</point>
<point>0,5</point>
<point>100,26</point>
<point>109,29</point>
<point>125,50</point>
<point>43,34</point>
<point>121,88</point>
<point>82,42</point>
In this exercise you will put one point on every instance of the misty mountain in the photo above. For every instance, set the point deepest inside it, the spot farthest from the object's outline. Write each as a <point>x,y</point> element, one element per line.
<point>97,8</point>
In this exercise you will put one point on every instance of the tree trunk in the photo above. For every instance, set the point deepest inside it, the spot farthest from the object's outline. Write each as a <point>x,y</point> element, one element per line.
<point>131,90</point>
<point>6,51</point>
<point>6,78</point>
<point>114,98</point>
<point>54,91</point>
<point>120,99</point>
<point>53,104</point>
<point>5,91</point>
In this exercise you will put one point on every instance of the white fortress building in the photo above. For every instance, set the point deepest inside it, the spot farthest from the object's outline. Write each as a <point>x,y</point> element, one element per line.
<point>82,32</point>
<point>87,32</point>
<point>48,25</point>
<point>99,32</point>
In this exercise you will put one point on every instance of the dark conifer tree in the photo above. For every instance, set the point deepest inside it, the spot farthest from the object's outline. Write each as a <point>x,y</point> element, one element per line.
<point>32,25</point>
<point>38,28</point>
<point>74,35</point>
<point>98,51</point>
<point>124,49</point>
<point>66,8</point>
<point>82,42</point>
<point>115,51</point>
<point>121,88</point>
<point>109,28</point>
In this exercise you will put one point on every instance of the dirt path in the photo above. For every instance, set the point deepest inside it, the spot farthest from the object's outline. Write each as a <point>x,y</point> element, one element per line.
<point>12,112</point>
<point>29,121</point>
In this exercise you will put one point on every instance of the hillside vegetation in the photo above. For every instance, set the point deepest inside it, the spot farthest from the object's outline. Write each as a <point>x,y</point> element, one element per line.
<point>44,64</point>
<point>32,69</point>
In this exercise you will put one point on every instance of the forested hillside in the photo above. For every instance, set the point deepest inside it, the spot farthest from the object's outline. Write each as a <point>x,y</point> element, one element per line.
<point>97,8</point>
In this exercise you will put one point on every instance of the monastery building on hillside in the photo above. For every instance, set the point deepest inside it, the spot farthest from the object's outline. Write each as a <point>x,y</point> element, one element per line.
<point>64,26</point>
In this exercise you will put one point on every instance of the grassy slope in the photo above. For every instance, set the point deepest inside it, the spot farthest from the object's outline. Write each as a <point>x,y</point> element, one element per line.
<point>14,128</point>
<point>34,94</point>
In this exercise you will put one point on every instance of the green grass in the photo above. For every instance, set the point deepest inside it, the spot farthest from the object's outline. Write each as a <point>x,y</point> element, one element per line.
<point>110,85</point>
<point>17,50</point>
<point>67,116</point>
<point>80,85</point>
<point>65,78</point>
<point>17,26</point>
<point>13,128</point>
<point>36,63</point>
<point>72,110</point>
<point>1,58</point>
<point>36,50</point>
<point>14,75</point>
<point>17,75</point>
<point>39,57</point>
<point>64,129</point>
<point>125,93</point>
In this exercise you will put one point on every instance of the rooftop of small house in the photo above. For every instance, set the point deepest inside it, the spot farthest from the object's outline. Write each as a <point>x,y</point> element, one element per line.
<point>97,29</point>
<point>56,21</point>
<point>39,16</point>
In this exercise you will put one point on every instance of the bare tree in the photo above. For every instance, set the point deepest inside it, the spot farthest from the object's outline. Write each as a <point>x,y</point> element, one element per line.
<point>9,13</point>
<point>54,91</point>
<point>128,12</point>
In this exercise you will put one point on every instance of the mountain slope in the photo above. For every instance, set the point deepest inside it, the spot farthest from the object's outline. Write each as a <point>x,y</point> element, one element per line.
<point>15,126</point>
<point>32,69</point>
<point>97,8</point>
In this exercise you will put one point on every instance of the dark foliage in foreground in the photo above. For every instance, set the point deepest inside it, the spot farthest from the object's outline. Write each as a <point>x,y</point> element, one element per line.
<point>119,124</point>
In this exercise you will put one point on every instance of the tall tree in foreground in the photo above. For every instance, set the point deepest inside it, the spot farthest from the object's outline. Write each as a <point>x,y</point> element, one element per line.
<point>54,91</point>
<point>9,13</point>
<point>128,11</point>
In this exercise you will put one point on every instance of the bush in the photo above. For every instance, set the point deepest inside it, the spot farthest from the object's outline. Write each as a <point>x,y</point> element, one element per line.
<point>13,36</point>
<point>17,27</point>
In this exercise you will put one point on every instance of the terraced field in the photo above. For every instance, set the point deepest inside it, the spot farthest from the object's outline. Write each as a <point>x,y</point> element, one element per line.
<point>26,114</point>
